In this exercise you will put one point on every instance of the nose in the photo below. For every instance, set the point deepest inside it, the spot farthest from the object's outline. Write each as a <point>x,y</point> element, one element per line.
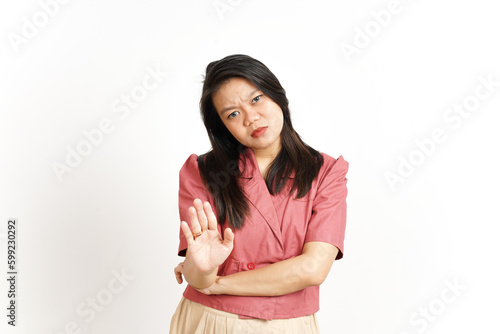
<point>251,116</point>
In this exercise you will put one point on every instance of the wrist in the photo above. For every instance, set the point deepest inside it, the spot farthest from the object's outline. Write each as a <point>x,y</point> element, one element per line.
<point>196,278</point>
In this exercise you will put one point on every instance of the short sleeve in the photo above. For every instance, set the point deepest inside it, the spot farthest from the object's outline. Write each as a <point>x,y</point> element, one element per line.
<point>190,187</point>
<point>328,219</point>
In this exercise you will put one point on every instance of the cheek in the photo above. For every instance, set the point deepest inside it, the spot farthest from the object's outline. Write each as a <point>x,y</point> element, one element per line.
<point>275,113</point>
<point>278,117</point>
<point>234,129</point>
<point>281,118</point>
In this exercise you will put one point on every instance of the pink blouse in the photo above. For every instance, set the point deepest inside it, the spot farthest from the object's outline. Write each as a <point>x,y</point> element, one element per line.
<point>277,230</point>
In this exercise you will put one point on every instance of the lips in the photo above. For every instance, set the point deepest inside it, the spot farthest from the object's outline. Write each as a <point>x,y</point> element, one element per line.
<point>259,131</point>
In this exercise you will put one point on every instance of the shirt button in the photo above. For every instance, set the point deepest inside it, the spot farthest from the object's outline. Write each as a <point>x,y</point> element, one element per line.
<point>251,265</point>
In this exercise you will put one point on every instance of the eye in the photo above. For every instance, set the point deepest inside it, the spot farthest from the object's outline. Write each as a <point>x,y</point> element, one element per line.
<point>257,98</point>
<point>233,114</point>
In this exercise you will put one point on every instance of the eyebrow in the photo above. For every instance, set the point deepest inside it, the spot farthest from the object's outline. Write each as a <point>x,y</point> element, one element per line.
<point>232,107</point>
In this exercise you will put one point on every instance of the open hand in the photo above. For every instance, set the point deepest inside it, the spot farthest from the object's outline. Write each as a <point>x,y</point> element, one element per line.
<point>207,250</point>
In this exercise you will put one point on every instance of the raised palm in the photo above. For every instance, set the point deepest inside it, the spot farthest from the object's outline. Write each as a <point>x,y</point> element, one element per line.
<point>208,250</point>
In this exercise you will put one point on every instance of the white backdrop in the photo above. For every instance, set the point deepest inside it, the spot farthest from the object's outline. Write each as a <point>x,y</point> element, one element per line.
<point>99,110</point>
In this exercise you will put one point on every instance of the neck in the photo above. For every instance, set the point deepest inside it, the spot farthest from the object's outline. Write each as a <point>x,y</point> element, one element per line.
<point>267,154</point>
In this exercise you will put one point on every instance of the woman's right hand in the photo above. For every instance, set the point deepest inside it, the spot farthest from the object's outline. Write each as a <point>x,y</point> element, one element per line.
<point>207,251</point>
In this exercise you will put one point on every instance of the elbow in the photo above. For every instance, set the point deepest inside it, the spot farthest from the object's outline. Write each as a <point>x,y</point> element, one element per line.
<point>313,278</point>
<point>317,278</point>
<point>318,258</point>
<point>315,271</point>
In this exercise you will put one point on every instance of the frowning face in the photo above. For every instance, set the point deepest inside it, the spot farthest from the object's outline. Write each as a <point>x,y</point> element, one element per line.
<point>253,118</point>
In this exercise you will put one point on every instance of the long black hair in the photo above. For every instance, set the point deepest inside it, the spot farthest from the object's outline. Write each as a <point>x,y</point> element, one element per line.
<point>219,166</point>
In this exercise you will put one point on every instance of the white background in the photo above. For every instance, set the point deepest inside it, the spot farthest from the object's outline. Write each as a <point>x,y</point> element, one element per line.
<point>117,209</point>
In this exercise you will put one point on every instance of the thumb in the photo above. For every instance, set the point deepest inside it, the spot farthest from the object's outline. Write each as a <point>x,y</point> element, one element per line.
<point>228,237</point>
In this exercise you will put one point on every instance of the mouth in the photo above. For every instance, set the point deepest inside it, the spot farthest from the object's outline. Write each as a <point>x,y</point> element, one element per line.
<point>259,131</point>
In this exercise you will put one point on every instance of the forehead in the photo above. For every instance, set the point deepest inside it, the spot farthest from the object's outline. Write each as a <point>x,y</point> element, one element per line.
<point>233,90</point>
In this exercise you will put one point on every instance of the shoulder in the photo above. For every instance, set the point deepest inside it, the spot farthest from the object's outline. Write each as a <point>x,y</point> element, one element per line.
<point>331,162</point>
<point>190,166</point>
<point>336,166</point>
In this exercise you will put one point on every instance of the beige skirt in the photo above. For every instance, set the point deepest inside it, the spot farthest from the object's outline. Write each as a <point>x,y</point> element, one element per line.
<point>194,318</point>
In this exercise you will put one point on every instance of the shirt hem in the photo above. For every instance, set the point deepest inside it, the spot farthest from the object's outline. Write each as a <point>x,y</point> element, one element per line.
<point>246,314</point>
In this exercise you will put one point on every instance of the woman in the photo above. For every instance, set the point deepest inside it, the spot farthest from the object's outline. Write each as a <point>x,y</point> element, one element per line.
<point>279,204</point>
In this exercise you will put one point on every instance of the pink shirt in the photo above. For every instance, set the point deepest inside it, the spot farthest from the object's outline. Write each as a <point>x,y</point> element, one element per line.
<point>278,228</point>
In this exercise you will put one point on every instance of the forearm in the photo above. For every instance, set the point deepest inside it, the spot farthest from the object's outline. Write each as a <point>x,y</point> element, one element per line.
<point>276,279</point>
<point>194,277</point>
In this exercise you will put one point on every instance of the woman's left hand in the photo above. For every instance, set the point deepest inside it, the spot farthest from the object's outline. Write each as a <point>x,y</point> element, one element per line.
<point>178,272</point>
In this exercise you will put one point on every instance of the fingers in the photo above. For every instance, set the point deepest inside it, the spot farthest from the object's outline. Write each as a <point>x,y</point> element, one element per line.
<point>187,233</point>
<point>199,220</point>
<point>202,215</point>
<point>178,272</point>
<point>212,220</point>
<point>195,223</point>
